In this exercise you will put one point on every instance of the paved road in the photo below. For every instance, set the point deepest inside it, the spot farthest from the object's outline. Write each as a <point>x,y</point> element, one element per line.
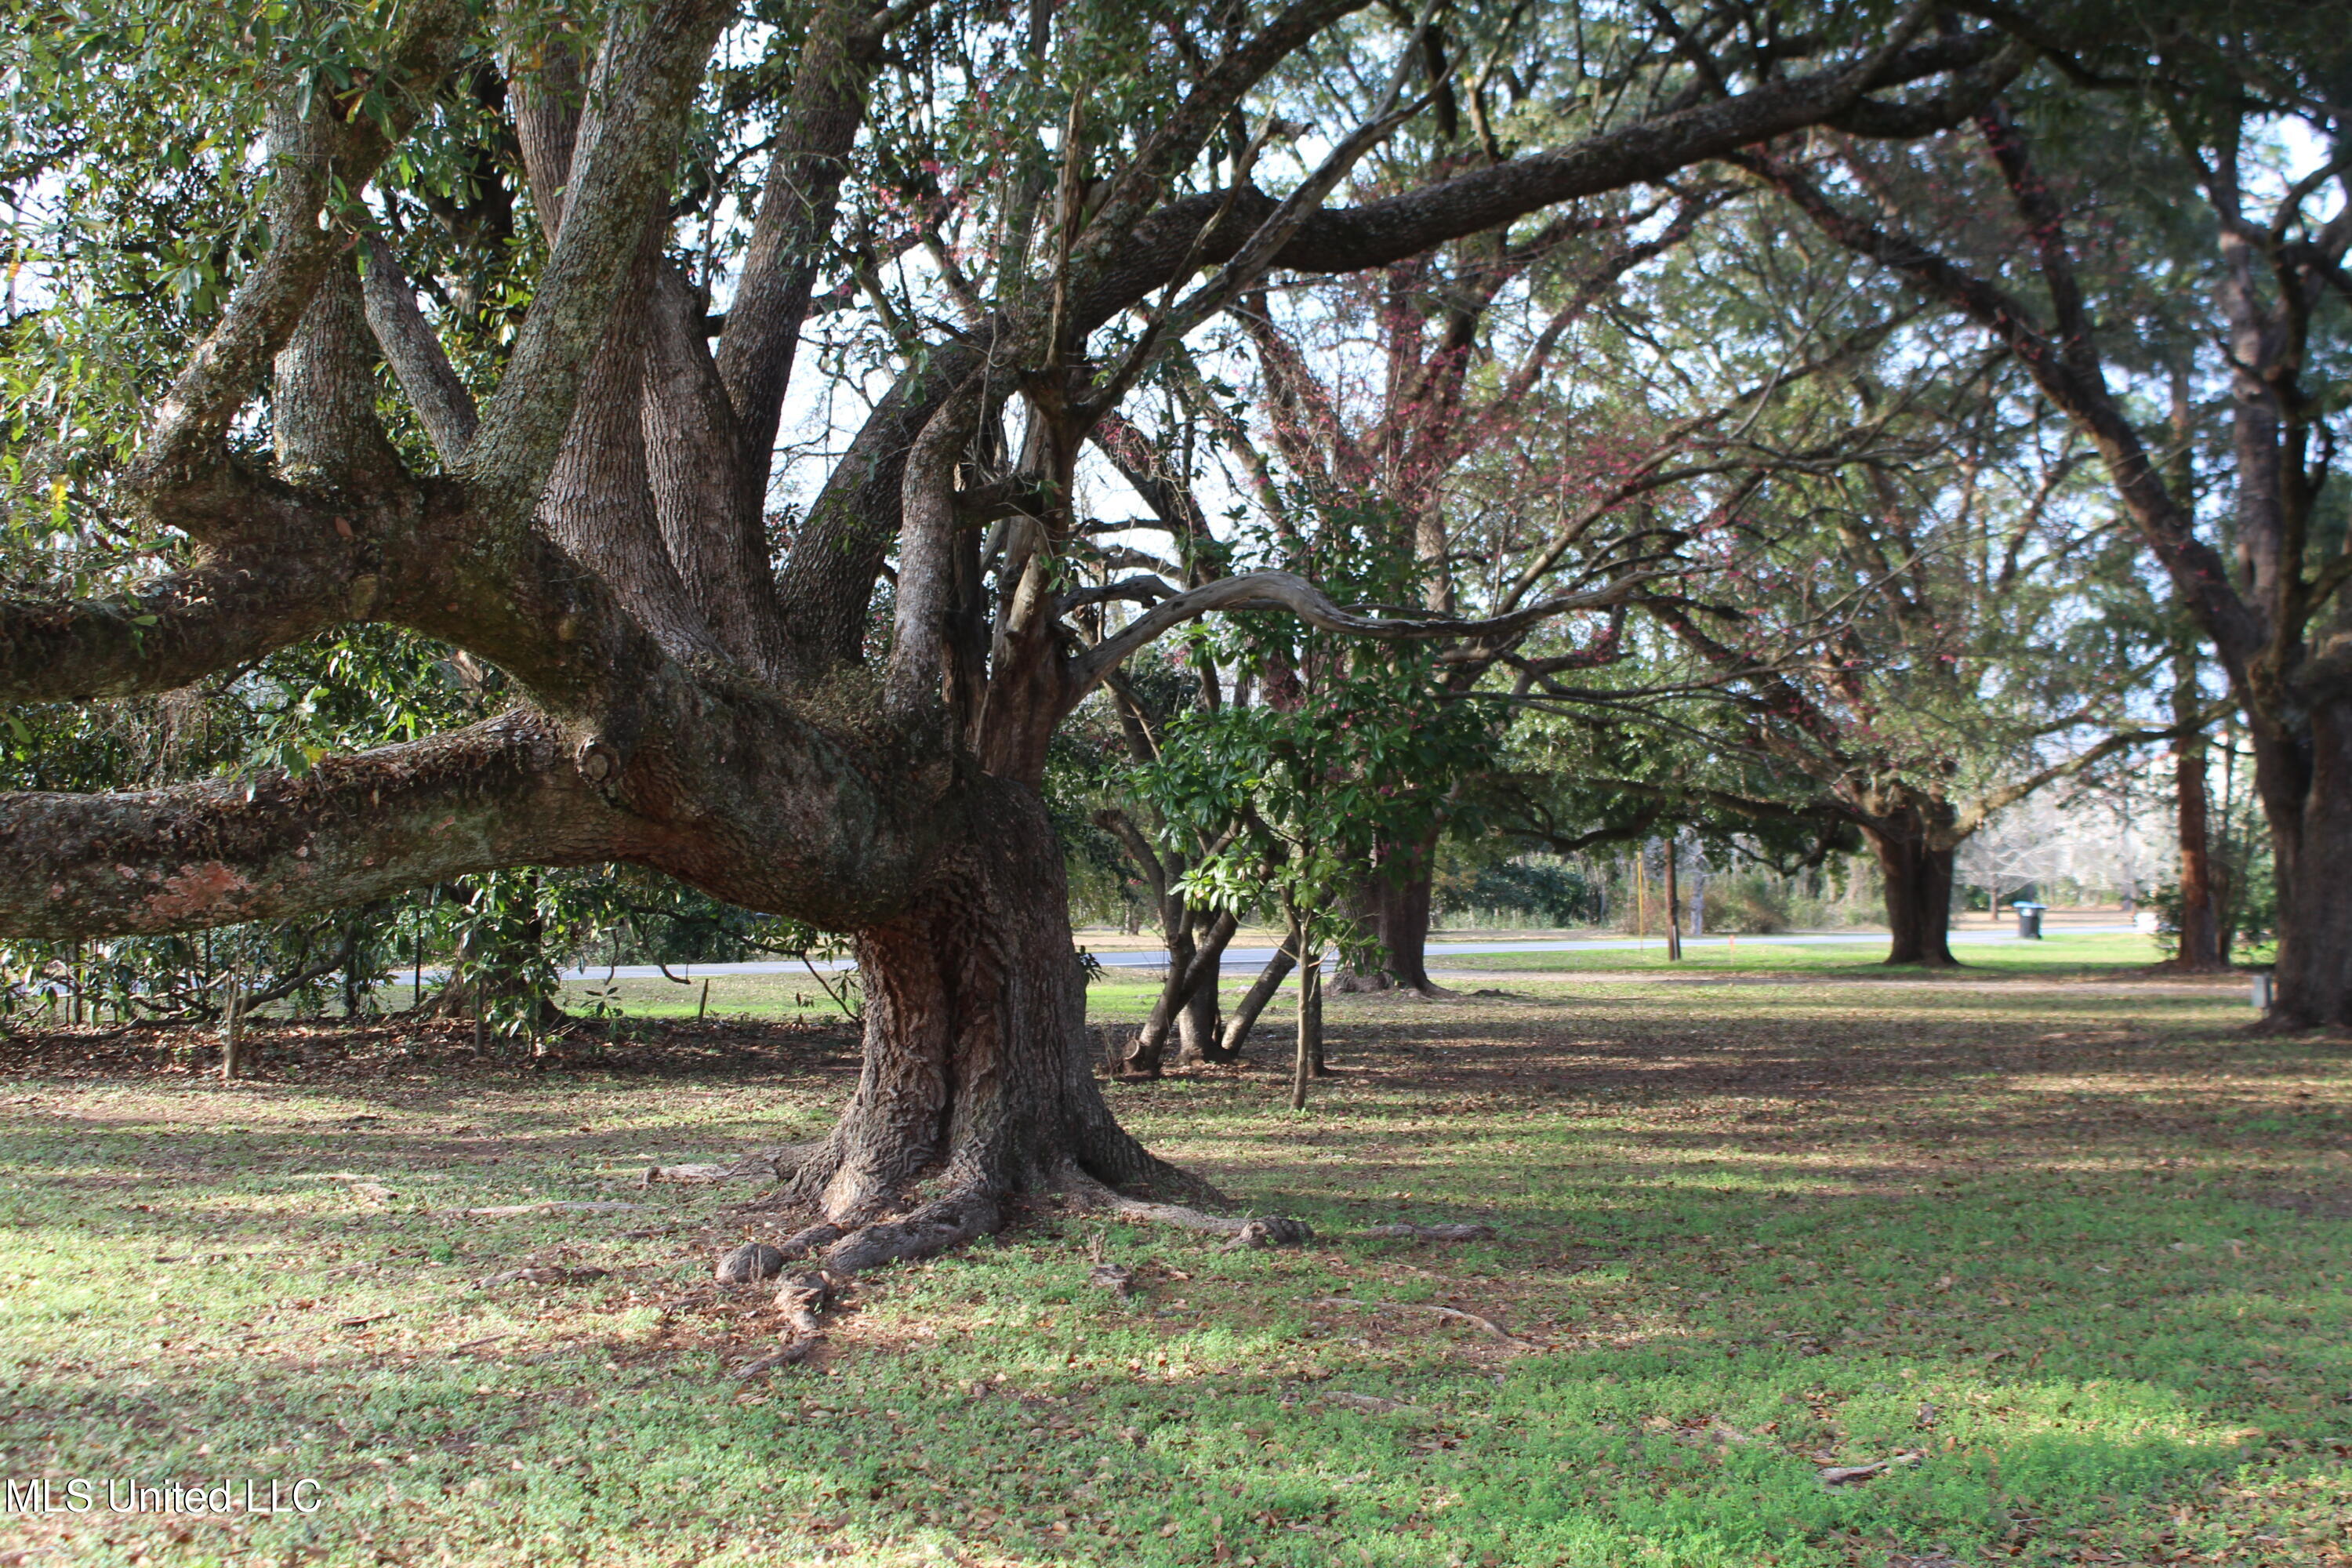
<point>1250,958</point>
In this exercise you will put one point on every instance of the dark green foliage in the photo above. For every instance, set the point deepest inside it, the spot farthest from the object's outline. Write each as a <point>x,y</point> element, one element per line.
<point>1558,894</point>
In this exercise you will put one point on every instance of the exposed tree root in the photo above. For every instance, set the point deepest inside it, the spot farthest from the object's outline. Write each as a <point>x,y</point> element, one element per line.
<point>792,1355</point>
<point>776,1165</point>
<point>802,1299</point>
<point>748,1264</point>
<point>551,1207</point>
<point>1247,1231</point>
<point>939,1225</point>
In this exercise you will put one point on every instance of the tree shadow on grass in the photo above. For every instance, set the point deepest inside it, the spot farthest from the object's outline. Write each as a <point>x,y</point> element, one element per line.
<point>2009,1252</point>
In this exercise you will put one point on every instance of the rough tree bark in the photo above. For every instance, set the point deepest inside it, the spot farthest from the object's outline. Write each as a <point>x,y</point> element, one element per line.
<point>976,1072</point>
<point>2306,783</point>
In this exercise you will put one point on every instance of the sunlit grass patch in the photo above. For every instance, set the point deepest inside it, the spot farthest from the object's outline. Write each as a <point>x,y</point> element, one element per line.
<point>2071,1265</point>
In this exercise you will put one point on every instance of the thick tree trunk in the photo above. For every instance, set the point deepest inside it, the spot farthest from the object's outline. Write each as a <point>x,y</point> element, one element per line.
<point>2200,910</point>
<point>2307,792</point>
<point>1918,895</point>
<point>977,1083</point>
<point>1402,910</point>
<point>1394,902</point>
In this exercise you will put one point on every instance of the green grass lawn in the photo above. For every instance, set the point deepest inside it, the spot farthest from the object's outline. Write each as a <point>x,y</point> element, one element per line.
<point>2072,1257</point>
<point>1864,958</point>
<point>1123,993</point>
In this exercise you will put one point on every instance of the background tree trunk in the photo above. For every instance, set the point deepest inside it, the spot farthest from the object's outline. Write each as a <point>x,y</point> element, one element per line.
<point>1673,901</point>
<point>1253,1002</point>
<point>1918,895</point>
<point>2307,795</point>
<point>1197,1026</point>
<point>1394,901</point>
<point>1143,1057</point>
<point>1403,913</point>
<point>2200,910</point>
<point>1188,996</point>
<point>1308,1062</point>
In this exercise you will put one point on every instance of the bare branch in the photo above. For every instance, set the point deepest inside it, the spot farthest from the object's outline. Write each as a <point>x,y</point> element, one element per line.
<point>1288,592</point>
<point>1964,94</point>
<point>644,82</point>
<point>1969,820</point>
<point>1142,590</point>
<point>762,337</point>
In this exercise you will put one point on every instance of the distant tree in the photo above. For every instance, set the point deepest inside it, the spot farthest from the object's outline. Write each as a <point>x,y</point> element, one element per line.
<point>1905,610</point>
<point>2042,229</point>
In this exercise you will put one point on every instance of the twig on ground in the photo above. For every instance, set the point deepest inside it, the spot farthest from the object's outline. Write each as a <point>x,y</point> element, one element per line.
<point>1483,1325</point>
<point>1433,1232</point>
<point>501,1209</point>
<point>1845,1475</point>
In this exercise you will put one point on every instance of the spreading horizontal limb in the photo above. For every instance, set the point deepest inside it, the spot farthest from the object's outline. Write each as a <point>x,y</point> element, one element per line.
<point>216,616</point>
<point>264,846</point>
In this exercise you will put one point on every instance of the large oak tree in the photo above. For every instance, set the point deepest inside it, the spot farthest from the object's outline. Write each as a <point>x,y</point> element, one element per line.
<point>848,727</point>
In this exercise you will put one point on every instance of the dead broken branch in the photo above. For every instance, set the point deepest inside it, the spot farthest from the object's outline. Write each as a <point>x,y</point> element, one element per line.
<point>1433,1232</point>
<point>1845,1475</point>
<point>1486,1326</point>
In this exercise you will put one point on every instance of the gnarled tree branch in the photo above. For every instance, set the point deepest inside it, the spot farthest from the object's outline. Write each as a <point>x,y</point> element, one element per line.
<point>499,793</point>
<point>219,613</point>
<point>311,156</point>
<point>418,362</point>
<point>643,80</point>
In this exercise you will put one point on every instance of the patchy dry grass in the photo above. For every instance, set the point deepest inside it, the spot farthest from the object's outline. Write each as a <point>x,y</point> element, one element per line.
<point>2078,1250</point>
